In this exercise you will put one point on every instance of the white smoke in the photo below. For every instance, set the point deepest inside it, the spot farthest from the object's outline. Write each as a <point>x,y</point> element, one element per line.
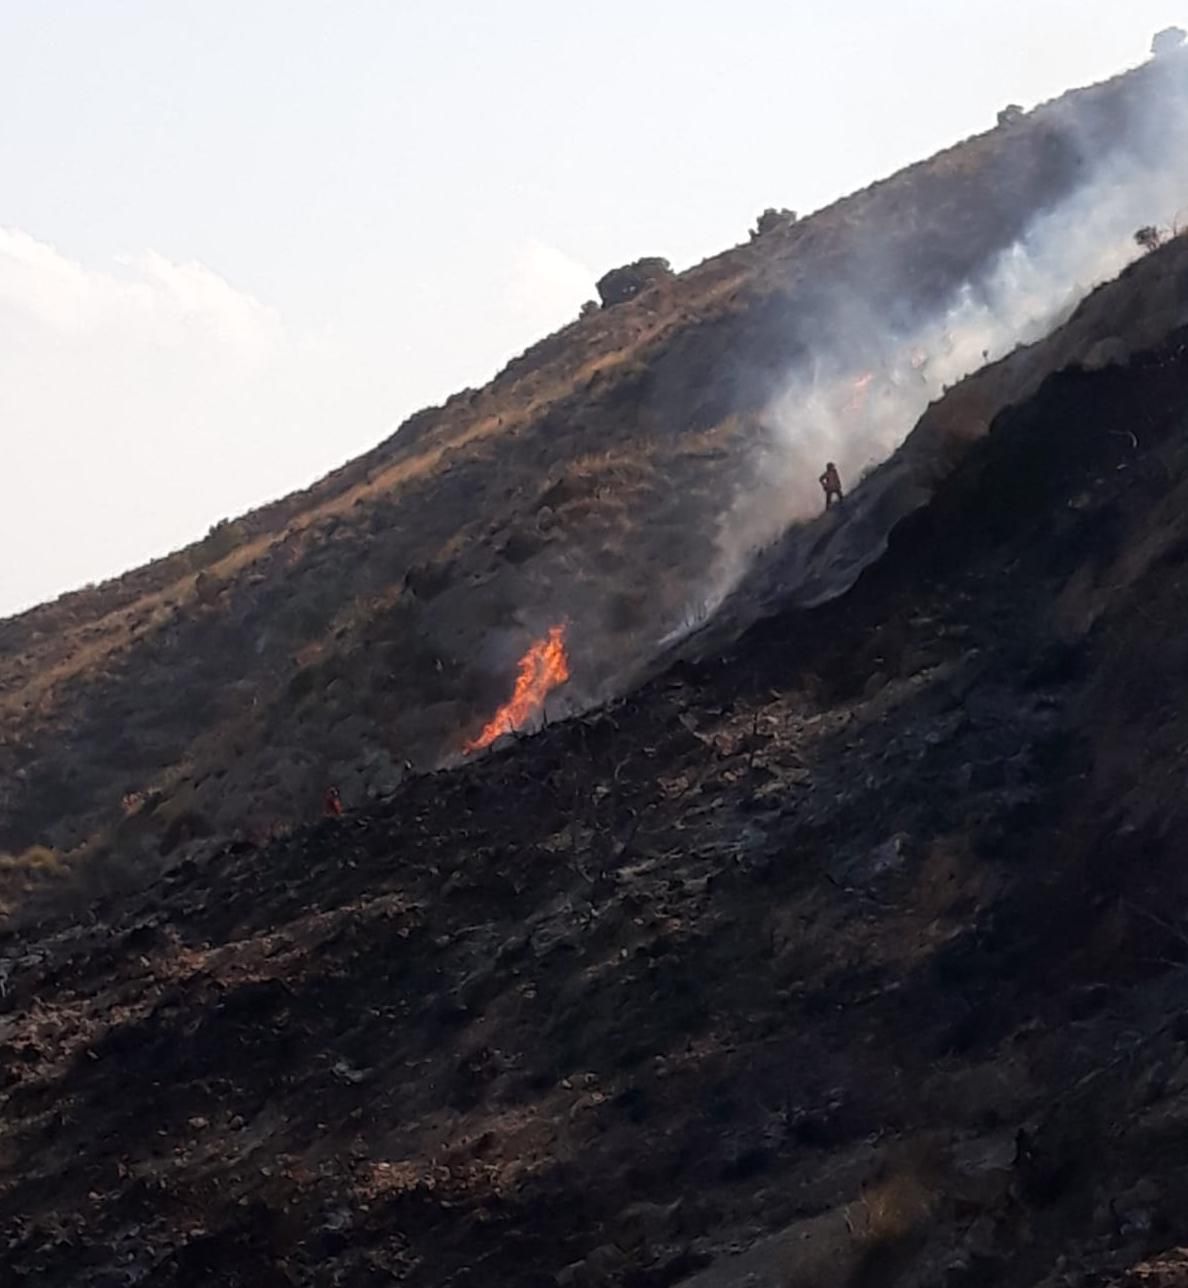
<point>856,407</point>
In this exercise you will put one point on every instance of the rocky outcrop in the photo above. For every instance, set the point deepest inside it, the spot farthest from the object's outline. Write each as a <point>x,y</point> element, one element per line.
<point>623,284</point>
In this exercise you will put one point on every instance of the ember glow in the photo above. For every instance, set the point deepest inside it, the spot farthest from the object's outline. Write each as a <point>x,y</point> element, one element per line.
<point>859,389</point>
<point>541,670</point>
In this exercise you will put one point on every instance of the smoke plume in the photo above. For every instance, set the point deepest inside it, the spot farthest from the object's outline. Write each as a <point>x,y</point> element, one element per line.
<point>854,402</point>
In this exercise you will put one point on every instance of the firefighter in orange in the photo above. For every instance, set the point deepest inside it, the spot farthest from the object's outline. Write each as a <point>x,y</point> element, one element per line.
<point>332,803</point>
<point>831,485</point>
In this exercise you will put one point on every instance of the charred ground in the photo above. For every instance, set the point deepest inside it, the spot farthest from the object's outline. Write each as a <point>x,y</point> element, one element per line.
<point>759,972</point>
<point>372,622</point>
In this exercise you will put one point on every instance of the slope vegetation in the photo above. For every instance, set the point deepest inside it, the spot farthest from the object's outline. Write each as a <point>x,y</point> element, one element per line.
<point>368,626</point>
<point>851,954</point>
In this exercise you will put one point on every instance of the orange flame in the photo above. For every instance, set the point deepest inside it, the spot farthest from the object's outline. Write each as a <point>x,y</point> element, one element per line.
<point>541,670</point>
<point>857,398</point>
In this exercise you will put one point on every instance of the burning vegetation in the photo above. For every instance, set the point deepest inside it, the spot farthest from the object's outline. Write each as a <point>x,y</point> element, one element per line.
<point>543,668</point>
<point>859,392</point>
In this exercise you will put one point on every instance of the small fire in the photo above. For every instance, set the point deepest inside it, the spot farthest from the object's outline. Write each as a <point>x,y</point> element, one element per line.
<point>541,670</point>
<point>859,388</point>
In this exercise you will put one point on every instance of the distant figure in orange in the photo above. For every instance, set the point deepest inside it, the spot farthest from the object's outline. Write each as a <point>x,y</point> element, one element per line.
<point>332,804</point>
<point>831,485</point>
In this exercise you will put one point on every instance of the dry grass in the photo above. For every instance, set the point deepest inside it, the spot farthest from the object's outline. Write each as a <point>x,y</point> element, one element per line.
<point>35,871</point>
<point>38,861</point>
<point>58,658</point>
<point>893,1210</point>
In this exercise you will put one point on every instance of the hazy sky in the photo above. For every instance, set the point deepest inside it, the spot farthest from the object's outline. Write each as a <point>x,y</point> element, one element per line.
<point>240,240</point>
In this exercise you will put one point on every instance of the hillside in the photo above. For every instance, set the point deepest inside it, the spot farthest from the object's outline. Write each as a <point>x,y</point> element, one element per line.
<point>371,625</point>
<point>850,953</point>
<point>816,920</point>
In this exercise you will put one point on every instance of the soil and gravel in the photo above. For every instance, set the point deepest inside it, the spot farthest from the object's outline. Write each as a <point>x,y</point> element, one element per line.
<point>371,622</point>
<point>854,954</point>
<point>846,946</point>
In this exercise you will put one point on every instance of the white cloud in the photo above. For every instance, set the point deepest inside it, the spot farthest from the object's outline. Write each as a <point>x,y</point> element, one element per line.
<point>154,298</point>
<point>141,401</point>
<point>545,288</point>
<point>193,294</point>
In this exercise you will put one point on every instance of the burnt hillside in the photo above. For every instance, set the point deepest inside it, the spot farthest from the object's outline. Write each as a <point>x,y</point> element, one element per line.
<point>372,623</point>
<point>853,954</point>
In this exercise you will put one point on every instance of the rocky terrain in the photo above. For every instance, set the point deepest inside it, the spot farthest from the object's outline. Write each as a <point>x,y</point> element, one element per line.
<point>369,626</point>
<point>831,932</point>
<point>852,954</point>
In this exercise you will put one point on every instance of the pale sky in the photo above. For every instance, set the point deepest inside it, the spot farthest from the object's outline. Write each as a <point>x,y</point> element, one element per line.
<point>241,240</point>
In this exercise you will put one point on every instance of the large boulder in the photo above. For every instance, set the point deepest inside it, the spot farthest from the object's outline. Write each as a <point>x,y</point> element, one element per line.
<point>622,284</point>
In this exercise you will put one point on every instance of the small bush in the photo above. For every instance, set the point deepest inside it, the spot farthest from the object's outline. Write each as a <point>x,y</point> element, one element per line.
<point>1149,237</point>
<point>1168,41</point>
<point>771,220</point>
<point>37,873</point>
<point>207,588</point>
<point>220,540</point>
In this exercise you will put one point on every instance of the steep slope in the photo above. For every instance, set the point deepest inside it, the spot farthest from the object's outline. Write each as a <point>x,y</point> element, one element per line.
<point>813,562</point>
<point>373,622</point>
<point>854,955</point>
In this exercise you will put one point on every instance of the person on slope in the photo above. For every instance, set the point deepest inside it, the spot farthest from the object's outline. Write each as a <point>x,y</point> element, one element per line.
<point>332,803</point>
<point>831,485</point>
